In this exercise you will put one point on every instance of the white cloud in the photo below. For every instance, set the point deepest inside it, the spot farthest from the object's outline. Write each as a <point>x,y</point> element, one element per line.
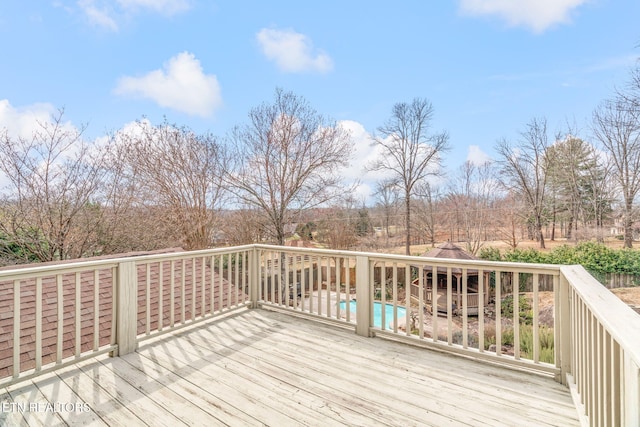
<point>181,85</point>
<point>98,16</point>
<point>165,7</point>
<point>292,52</point>
<point>106,13</point>
<point>29,123</point>
<point>537,15</point>
<point>22,122</point>
<point>365,152</point>
<point>477,156</point>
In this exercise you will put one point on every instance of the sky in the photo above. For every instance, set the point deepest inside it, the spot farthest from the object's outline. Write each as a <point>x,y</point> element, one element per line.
<point>487,66</point>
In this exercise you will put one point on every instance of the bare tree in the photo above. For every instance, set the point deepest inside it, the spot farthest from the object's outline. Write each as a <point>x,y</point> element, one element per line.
<point>338,227</point>
<point>179,171</point>
<point>507,219</point>
<point>410,152</point>
<point>599,191</point>
<point>53,177</point>
<point>243,226</point>
<point>127,222</point>
<point>426,211</point>
<point>616,124</point>
<point>287,159</point>
<point>387,194</point>
<point>524,168</point>
<point>472,192</point>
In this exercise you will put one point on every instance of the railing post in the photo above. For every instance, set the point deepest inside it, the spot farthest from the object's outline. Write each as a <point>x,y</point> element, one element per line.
<point>126,307</point>
<point>363,297</point>
<point>631,397</point>
<point>562,327</point>
<point>254,277</point>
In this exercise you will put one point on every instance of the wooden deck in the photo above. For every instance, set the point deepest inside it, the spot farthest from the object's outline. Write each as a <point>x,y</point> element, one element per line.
<point>261,367</point>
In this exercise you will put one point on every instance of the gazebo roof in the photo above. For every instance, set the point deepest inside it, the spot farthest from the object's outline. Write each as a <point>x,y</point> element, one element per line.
<point>448,250</point>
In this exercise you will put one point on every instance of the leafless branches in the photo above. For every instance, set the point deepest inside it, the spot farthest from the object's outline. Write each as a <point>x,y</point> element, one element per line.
<point>52,177</point>
<point>616,124</point>
<point>286,159</point>
<point>179,171</point>
<point>410,152</point>
<point>524,168</point>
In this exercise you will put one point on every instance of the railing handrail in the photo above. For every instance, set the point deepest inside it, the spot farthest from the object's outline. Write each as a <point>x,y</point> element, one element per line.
<point>65,267</point>
<point>22,273</point>
<point>190,254</point>
<point>622,323</point>
<point>520,267</point>
<point>52,269</point>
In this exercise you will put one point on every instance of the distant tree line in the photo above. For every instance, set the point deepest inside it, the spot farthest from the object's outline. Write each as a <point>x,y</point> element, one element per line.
<point>155,186</point>
<point>570,184</point>
<point>152,186</point>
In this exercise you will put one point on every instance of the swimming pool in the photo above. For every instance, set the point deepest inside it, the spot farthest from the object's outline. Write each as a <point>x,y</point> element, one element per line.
<point>377,312</point>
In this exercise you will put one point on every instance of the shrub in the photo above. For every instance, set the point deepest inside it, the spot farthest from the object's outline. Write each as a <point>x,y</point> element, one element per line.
<point>490,254</point>
<point>545,337</point>
<point>526,313</point>
<point>595,257</point>
<point>472,340</point>
<point>507,337</point>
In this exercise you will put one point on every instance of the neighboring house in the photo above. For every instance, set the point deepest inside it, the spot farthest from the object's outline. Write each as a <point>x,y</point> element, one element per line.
<point>617,228</point>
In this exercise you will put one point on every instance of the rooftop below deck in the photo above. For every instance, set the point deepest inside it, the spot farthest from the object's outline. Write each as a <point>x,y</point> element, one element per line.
<point>262,367</point>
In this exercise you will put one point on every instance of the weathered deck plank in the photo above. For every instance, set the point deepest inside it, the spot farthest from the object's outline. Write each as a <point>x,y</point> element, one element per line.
<point>261,367</point>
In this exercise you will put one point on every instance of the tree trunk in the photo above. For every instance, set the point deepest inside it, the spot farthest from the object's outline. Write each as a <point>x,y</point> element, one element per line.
<point>570,228</point>
<point>628,225</point>
<point>539,232</point>
<point>386,228</point>
<point>407,217</point>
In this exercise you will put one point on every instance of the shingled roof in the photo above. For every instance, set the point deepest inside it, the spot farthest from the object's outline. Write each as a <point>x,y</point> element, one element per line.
<point>449,250</point>
<point>105,308</point>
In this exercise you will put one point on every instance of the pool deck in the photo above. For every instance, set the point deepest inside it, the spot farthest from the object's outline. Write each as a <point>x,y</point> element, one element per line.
<point>259,367</point>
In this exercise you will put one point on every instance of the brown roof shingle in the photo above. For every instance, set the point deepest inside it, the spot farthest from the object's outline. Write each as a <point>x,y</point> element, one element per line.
<point>192,285</point>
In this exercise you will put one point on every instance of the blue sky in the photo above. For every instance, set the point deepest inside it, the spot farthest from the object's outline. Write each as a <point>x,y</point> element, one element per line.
<point>488,66</point>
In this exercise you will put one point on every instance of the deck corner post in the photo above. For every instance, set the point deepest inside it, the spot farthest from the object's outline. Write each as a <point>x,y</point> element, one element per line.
<point>254,276</point>
<point>562,328</point>
<point>363,297</point>
<point>126,308</point>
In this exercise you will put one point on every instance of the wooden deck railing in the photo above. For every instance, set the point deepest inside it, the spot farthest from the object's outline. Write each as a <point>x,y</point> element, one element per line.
<point>56,315</point>
<point>600,338</point>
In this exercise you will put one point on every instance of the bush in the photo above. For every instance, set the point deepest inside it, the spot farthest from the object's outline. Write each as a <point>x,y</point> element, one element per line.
<point>595,257</point>
<point>489,336</point>
<point>545,337</point>
<point>490,254</point>
<point>526,313</point>
<point>507,337</point>
<point>472,340</point>
<point>388,295</point>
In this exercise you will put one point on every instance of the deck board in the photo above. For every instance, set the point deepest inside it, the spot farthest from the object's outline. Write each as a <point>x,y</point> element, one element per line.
<point>261,367</point>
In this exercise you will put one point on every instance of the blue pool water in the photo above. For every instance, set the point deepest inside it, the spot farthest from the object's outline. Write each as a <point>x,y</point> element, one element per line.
<point>377,312</point>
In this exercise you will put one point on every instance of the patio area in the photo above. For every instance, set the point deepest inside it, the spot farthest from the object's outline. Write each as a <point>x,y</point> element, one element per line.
<point>257,367</point>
